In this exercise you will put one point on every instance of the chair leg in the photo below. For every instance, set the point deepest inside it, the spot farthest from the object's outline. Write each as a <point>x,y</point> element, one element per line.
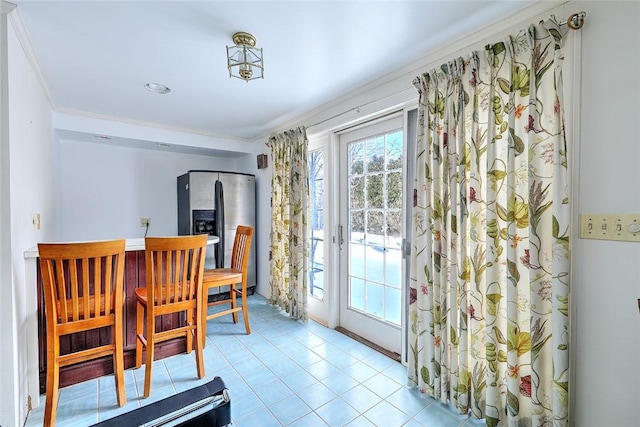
<point>148,369</point>
<point>53,382</point>
<point>118,364</point>
<point>234,303</point>
<point>245,309</point>
<point>190,319</point>
<point>139,331</point>
<point>203,318</point>
<point>199,332</point>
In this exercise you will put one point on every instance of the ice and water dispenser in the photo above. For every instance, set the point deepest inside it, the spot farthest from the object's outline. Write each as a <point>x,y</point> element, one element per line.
<point>204,221</point>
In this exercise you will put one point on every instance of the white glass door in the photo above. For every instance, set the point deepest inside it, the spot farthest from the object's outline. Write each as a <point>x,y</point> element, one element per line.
<point>319,246</point>
<point>371,223</point>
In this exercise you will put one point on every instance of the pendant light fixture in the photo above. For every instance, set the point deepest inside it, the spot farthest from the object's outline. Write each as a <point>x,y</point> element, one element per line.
<point>244,60</point>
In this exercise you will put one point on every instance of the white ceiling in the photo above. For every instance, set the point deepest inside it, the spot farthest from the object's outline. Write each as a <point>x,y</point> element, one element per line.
<point>96,56</point>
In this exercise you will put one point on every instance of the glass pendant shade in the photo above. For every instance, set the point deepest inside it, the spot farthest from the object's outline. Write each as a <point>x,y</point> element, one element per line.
<point>244,60</point>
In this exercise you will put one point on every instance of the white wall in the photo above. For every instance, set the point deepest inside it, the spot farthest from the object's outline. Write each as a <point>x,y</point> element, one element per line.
<point>32,191</point>
<point>606,322</point>
<point>104,190</point>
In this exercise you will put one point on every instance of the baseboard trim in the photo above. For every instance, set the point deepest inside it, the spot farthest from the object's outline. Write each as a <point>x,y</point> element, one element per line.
<point>325,324</point>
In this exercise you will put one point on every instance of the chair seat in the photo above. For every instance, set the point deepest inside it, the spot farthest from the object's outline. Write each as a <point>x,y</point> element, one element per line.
<point>83,305</point>
<point>222,274</point>
<point>141,294</point>
<point>234,277</point>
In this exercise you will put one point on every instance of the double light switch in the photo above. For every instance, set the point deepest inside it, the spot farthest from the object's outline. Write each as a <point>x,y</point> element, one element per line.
<point>610,227</point>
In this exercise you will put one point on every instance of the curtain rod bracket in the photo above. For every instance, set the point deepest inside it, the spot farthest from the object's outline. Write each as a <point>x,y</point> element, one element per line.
<point>576,20</point>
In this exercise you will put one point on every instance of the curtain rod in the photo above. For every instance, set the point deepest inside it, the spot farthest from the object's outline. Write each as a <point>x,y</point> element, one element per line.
<point>334,116</point>
<point>356,108</point>
<point>574,22</point>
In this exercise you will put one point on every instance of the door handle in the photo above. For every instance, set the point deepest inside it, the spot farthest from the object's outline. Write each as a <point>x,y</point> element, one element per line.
<point>406,248</point>
<point>340,237</point>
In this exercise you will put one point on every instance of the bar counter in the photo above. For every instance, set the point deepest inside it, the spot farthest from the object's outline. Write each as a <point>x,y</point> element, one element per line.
<point>134,277</point>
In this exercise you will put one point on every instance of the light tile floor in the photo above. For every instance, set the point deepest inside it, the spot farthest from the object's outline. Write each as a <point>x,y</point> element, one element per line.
<point>286,373</point>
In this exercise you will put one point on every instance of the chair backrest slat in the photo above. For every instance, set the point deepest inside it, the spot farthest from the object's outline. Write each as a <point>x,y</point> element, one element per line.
<point>62,287</point>
<point>86,293</point>
<point>107,289</point>
<point>82,281</point>
<point>241,247</point>
<point>178,263</point>
<point>186,275</point>
<point>76,284</point>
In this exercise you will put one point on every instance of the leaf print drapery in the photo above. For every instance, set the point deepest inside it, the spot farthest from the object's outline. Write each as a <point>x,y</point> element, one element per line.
<point>489,326</point>
<point>289,234</point>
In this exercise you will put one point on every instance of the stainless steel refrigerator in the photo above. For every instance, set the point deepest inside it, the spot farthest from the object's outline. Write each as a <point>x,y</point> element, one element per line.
<point>216,202</point>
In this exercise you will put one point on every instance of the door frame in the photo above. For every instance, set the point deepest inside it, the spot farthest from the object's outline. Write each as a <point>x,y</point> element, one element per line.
<point>321,310</point>
<point>387,335</point>
<point>330,140</point>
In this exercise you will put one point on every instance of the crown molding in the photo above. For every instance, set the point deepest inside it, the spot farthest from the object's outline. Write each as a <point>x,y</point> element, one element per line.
<point>6,7</point>
<point>23,38</point>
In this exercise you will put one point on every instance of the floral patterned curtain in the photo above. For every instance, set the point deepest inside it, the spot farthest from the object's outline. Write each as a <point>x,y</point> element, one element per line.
<point>289,257</point>
<point>489,310</point>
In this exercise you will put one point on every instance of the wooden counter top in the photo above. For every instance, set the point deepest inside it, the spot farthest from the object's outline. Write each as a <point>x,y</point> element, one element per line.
<point>134,244</point>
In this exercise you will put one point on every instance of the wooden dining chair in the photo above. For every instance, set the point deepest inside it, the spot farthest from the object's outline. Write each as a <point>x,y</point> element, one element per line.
<point>83,287</point>
<point>174,271</point>
<point>235,274</point>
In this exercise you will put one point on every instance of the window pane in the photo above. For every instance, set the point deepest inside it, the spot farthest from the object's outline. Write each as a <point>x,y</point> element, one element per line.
<point>393,263</point>
<point>375,263</point>
<point>392,305</point>
<point>356,294</point>
<point>394,150</point>
<point>375,226</point>
<point>394,190</point>
<point>375,300</point>
<point>394,225</point>
<point>316,287</point>
<point>375,191</point>
<point>356,226</point>
<point>316,188</point>
<point>375,154</point>
<point>356,158</point>
<point>356,192</point>
<point>316,240</point>
<point>316,257</point>
<point>356,260</point>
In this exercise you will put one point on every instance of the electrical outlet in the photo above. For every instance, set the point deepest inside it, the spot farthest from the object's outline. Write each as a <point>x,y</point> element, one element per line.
<point>145,222</point>
<point>35,221</point>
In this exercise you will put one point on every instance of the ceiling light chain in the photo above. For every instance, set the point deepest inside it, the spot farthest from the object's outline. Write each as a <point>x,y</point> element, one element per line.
<point>244,60</point>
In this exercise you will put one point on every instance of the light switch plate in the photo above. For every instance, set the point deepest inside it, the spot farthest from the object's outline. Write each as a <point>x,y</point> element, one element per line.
<point>595,226</point>
<point>626,227</point>
<point>623,227</point>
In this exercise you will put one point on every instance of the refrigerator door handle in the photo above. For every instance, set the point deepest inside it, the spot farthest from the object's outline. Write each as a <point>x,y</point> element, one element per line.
<point>219,200</point>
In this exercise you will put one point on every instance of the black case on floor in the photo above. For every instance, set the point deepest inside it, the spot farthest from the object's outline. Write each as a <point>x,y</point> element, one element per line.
<point>205,405</point>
